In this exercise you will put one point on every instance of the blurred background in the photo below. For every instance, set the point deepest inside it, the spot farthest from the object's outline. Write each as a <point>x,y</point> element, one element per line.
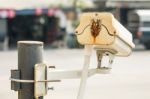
<point>53,22</point>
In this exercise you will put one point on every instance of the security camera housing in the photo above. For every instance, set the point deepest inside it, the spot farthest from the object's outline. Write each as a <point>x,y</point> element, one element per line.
<point>104,32</point>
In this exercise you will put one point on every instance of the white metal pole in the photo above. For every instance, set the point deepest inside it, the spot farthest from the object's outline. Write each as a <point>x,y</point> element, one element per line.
<point>84,76</point>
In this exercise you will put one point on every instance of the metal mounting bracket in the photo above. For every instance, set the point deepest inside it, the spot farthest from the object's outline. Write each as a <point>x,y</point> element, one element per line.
<point>42,76</point>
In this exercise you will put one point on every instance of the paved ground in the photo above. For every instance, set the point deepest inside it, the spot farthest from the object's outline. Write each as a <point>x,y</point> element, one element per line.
<point>130,77</point>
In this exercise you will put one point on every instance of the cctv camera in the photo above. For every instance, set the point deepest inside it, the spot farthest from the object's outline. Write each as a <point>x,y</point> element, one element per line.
<point>104,32</point>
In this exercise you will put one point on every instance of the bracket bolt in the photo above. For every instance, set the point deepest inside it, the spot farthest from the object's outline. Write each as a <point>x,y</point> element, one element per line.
<point>51,67</point>
<point>51,88</point>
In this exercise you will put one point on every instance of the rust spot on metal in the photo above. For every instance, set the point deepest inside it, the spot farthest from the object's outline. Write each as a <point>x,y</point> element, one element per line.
<point>114,32</point>
<point>95,28</point>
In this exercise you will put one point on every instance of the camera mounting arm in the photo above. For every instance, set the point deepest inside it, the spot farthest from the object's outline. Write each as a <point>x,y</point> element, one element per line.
<point>43,75</point>
<point>54,75</point>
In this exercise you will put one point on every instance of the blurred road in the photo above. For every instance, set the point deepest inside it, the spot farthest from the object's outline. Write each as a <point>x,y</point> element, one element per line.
<point>129,79</point>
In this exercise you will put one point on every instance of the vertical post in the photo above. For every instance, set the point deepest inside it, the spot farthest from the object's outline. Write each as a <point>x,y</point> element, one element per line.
<point>29,54</point>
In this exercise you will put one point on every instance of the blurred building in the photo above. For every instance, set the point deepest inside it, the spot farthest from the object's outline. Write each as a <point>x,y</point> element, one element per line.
<point>120,8</point>
<point>44,20</point>
<point>36,19</point>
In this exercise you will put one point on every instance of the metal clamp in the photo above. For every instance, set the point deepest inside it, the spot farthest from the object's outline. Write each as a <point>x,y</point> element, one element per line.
<point>16,80</point>
<point>32,81</point>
